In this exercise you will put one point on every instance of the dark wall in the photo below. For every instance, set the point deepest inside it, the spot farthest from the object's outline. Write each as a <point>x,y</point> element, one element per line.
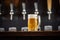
<point>19,22</point>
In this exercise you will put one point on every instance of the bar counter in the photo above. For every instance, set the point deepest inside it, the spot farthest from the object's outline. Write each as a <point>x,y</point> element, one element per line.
<point>40,33</point>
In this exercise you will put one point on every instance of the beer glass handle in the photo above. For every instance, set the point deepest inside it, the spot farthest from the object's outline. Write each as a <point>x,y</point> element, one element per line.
<point>39,20</point>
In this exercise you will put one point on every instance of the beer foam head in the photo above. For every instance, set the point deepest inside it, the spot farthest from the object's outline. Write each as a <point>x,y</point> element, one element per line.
<point>32,15</point>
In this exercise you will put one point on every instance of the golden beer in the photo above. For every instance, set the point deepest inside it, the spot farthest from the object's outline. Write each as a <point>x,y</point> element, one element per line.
<point>32,23</point>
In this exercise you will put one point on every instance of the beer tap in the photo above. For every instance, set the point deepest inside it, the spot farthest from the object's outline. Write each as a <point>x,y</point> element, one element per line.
<point>37,12</point>
<point>24,11</point>
<point>36,8</point>
<point>49,15</point>
<point>0,9</point>
<point>49,4</point>
<point>11,11</point>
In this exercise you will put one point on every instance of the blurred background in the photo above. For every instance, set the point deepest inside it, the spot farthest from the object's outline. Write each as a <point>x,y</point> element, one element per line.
<point>18,21</point>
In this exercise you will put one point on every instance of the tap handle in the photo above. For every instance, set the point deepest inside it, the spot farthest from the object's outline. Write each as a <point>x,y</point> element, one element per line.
<point>11,6</point>
<point>49,16</point>
<point>23,5</point>
<point>36,6</point>
<point>11,17</point>
<point>24,17</point>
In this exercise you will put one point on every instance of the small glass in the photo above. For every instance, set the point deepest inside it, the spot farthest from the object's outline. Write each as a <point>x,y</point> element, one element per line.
<point>2,29</point>
<point>58,28</point>
<point>12,29</point>
<point>48,28</point>
<point>24,29</point>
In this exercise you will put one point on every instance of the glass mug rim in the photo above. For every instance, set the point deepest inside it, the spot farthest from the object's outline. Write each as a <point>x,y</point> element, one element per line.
<point>32,16</point>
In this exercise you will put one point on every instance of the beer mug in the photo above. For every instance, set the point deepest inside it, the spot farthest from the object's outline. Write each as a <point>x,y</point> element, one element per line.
<point>33,22</point>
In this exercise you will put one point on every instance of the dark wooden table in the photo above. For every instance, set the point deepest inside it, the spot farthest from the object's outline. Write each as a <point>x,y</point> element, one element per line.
<point>41,33</point>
